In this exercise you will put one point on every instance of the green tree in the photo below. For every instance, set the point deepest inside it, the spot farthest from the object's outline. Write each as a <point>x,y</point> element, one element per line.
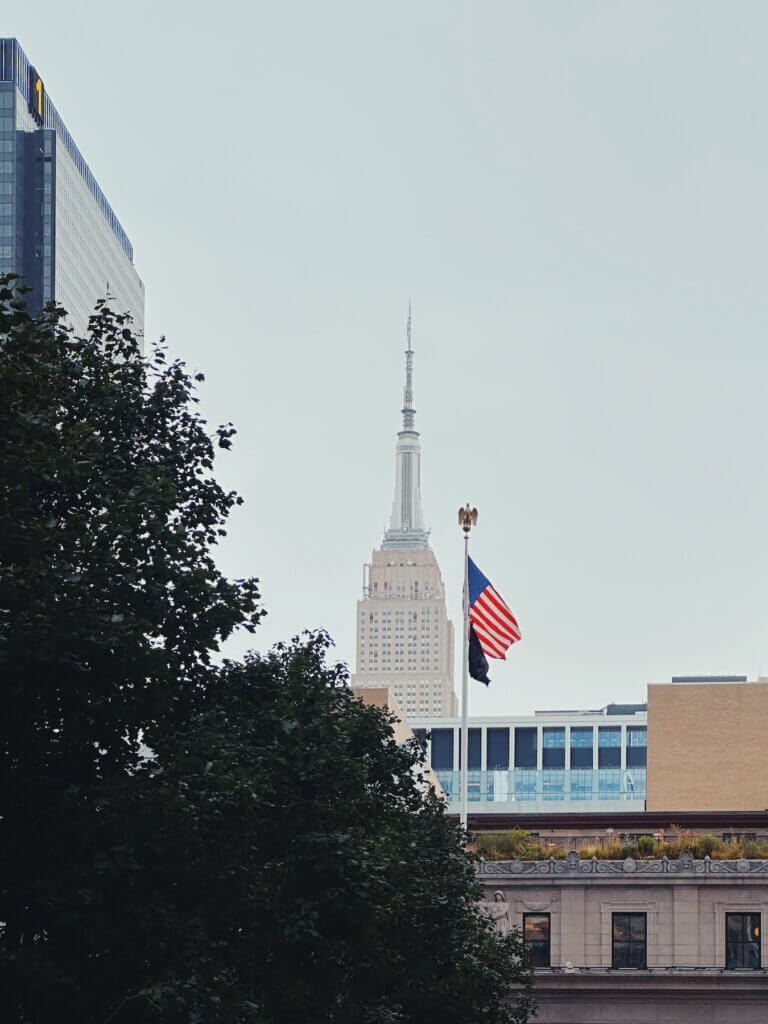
<point>111,606</point>
<point>110,602</point>
<point>278,859</point>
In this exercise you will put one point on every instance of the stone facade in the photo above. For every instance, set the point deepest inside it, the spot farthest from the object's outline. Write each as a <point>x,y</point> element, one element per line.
<point>404,637</point>
<point>683,904</point>
<point>383,698</point>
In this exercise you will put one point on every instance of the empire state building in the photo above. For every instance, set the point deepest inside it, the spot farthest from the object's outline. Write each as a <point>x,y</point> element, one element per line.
<point>404,636</point>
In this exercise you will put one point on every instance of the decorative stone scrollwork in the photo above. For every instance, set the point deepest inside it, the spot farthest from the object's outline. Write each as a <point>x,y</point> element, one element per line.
<point>550,904</point>
<point>572,864</point>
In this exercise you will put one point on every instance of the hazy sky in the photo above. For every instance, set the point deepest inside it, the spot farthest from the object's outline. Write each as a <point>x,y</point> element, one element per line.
<point>574,196</point>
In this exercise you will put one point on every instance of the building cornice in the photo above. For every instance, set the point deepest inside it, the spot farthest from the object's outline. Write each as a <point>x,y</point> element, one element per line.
<point>572,866</point>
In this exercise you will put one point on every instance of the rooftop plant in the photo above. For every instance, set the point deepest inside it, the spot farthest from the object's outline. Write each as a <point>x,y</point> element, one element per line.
<point>521,845</point>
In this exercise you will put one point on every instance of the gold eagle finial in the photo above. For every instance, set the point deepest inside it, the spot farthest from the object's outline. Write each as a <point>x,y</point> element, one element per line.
<point>467,517</point>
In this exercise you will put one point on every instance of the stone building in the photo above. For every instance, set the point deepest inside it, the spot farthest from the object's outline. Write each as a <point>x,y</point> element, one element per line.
<point>638,941</point>
<point>404,639</point>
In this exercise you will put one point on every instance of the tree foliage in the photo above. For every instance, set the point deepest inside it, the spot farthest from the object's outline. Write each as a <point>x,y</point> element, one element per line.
<point>110,602</point>
<point>278,859</point>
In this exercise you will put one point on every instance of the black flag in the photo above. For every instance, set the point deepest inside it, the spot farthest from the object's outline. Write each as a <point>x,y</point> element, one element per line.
<point>478,663</point>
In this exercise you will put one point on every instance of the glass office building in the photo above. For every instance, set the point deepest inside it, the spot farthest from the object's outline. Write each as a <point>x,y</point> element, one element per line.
<point>549,762</point>
<point>57,229</point>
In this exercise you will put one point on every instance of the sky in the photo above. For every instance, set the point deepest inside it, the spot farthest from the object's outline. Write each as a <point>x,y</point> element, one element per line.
<point>572,194</point>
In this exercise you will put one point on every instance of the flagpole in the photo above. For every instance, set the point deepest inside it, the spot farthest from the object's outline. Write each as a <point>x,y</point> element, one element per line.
<point>465,688</point>
<point>467,519</point>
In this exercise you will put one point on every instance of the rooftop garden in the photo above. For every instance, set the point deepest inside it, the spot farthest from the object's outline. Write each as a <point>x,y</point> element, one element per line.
<point>521,845</point>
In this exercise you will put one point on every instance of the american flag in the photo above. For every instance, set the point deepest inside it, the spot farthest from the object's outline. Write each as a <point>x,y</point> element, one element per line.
<point>494,626</point>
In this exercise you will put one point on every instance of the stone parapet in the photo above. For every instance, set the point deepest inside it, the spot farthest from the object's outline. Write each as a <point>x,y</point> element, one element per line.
<point>573,866</point>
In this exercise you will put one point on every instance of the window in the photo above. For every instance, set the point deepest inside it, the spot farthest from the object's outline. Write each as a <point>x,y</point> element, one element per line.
<point>742,942</point>
<point>498,749</point>
<point>581,785</point>
<point>525,785</point>
<point>553,748</point>
<point>553,785</point>
<point>525,748</point>
<point>629,941</point>
<point>609,747</point>
<point>581,747</point>
<point>536,937</point>
<point>474,749</point>
<point>637,743</point>
<point>608,784</point>
<point>442,749</point>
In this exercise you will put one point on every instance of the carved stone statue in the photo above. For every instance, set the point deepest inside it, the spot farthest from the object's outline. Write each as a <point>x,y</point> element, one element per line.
<point>497,911</point>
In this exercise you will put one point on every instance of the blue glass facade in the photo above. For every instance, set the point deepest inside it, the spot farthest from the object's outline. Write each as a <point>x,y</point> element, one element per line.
<point>580,761</point>
<point>57,229</point>
<point>527,786</point>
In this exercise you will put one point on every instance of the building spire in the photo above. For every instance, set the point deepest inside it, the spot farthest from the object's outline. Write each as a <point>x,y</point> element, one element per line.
<point>406,526</point>
<point>409,413</point>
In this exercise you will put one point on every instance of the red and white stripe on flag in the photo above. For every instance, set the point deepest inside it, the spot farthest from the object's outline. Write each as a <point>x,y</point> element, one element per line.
<point>494,624</point>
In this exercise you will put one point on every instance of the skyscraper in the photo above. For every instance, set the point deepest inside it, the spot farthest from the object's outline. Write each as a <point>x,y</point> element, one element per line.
<point>404,637</point>
<point>57,229</point>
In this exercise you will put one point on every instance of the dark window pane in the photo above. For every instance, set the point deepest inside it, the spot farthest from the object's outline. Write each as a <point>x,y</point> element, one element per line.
<point>621,954</point>
<point>637,954</point>
<point>553,757</point>
<point>629,941</point>
<point>581,757</point>
<point>609,757</point>
<point>442,750</point>
<point>474,749</point>
<point>497,749</point>
<point>742,941</point>
<point>637,926</point>
<point>525,748</point>
<point>637,757</point>
<point>539,952</point>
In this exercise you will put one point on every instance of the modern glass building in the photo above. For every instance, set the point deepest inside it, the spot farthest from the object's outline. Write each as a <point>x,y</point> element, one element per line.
<point>57,229</point>
<point>550,762</point>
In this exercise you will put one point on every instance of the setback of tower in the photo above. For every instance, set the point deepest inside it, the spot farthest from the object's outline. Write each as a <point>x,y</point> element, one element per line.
<point>404,639</point>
